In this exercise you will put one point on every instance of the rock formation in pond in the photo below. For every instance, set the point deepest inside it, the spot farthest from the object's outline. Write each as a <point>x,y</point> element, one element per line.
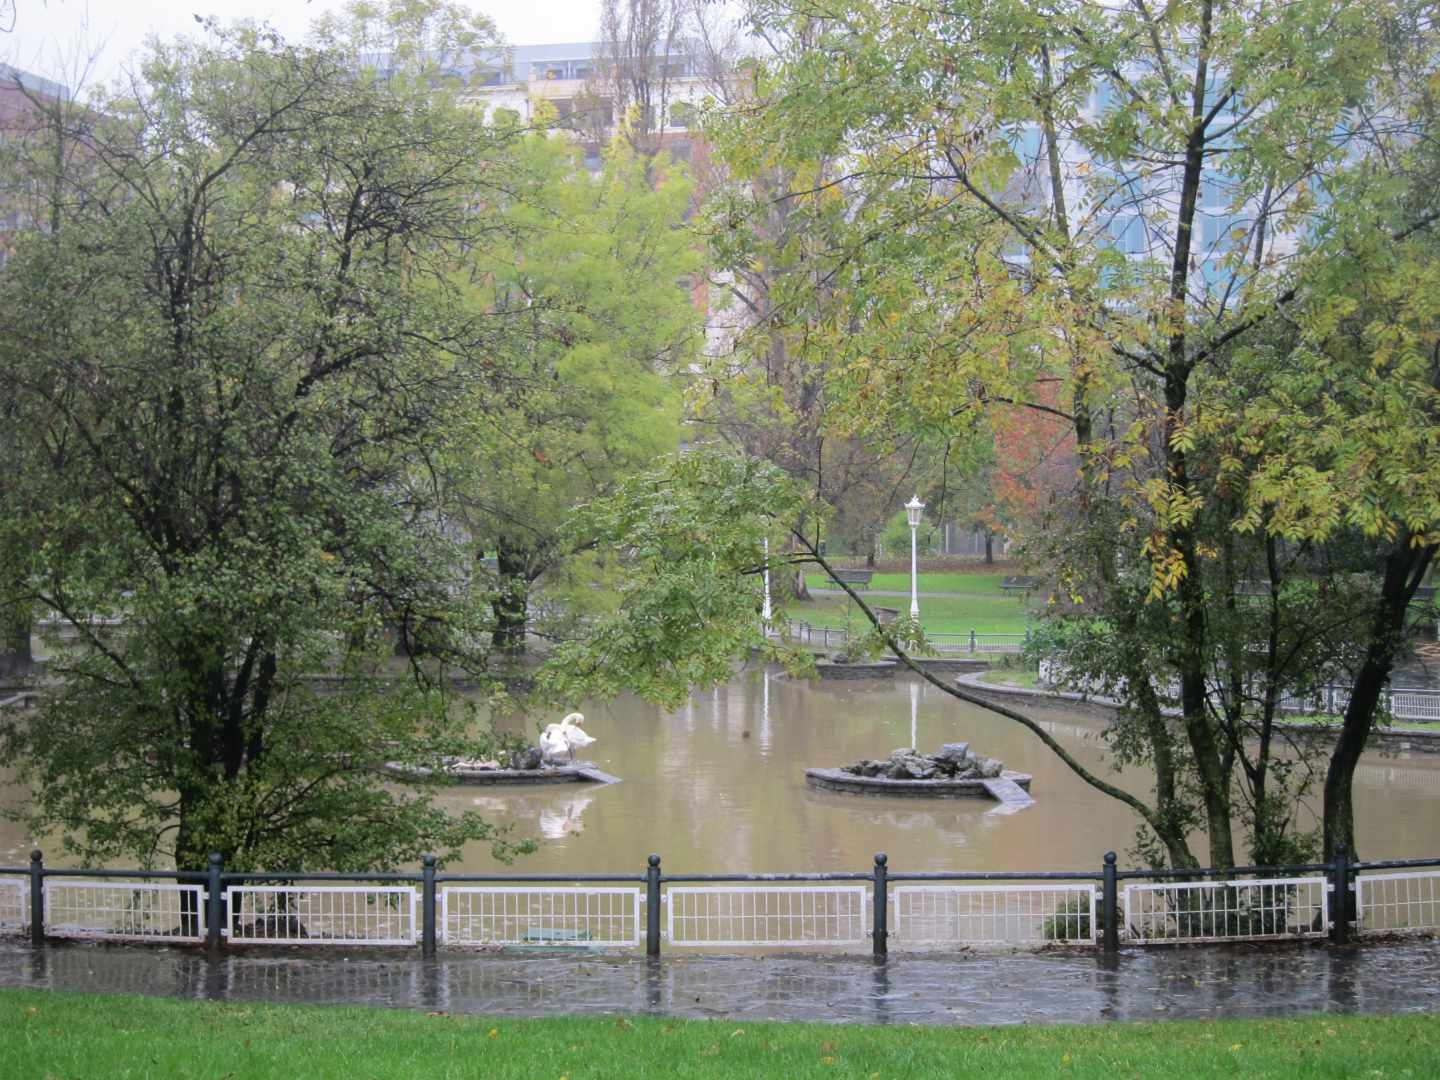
<point>532,757</point>
<point>953,761</point>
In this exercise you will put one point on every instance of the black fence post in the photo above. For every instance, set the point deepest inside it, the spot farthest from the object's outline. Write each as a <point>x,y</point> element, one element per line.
<point>427,907</point>
<point>1109,906</point>
<point>37,899</point>
<point>652,907</point>
<point>214,902</point>
<point>1340,906</point>
<point>879,932</point>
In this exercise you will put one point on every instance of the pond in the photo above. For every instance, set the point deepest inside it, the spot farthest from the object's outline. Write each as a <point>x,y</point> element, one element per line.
<point>718,786</point>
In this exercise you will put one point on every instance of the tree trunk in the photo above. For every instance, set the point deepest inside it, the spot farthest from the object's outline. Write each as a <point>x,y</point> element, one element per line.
<point>16,656</point>
<point>1404,568</point>
<point>511,603</point>
<point>799,590</point>
<point>989,548</point>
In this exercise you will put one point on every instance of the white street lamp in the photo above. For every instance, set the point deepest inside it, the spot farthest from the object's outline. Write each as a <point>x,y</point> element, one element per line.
<point>765,607</point>
<point>913,509</point>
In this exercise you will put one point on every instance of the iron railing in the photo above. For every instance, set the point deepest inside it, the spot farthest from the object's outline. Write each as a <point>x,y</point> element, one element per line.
<point>874,909</point>
<point>971,643</point>
<point>1414,703</point>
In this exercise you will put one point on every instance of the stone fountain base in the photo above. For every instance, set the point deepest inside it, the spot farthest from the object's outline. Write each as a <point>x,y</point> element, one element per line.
<point>582,772</point>
<point>850,784</point>
<point>951,773</point>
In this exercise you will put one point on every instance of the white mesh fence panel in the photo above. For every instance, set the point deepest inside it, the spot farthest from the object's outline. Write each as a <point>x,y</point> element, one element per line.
<point>14,905</point>
<point>124,910</point>
<point>323,915</point>
<point>994,914</point>
<point>539,915</point>
<point>739,915</point>
<point>1421,705</point>
<point>1389,903</point>
<point>977,643</point>
<point>1173,912</point>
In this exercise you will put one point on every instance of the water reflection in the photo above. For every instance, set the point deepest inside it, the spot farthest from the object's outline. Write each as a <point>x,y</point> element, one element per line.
<point>560,822</point>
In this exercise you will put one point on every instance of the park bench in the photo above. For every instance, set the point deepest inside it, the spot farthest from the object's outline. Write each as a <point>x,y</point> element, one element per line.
<point>859,578</point>
<point>1020,583</point>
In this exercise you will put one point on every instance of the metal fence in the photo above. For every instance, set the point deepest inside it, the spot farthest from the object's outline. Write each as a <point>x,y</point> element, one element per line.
<point>1011,915</point>
<point>14,909</point>
<point>875,909</point>
<point>538,914</point>
<point>1412,703</point>
<point>322,914</point>
<point>967,644</point>
<point>1398,903</point>
<point>124,910</point>
<point>758,915</point>
<point>1239,910</point>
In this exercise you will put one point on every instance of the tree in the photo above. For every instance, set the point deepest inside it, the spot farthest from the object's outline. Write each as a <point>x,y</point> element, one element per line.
<point>34,113</point>
<point>232,367</point>
<point>640,59</point>
<point>1337,412</point>
<point>590,272</point>
<point>766,389</point>
<point>1089,211</point>
<point>686,538</point>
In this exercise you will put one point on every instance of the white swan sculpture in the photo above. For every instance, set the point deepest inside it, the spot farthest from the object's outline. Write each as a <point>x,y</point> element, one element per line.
<point>561,740</point>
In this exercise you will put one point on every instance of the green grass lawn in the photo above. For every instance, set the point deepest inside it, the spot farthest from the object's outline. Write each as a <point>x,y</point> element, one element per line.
<point>1029,680</point>
<point>979,584</point>
<point>73,1035</point>
<point>939,615</point>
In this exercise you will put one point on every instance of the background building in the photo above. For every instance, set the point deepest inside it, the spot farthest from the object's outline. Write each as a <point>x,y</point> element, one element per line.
<point>591,90</point>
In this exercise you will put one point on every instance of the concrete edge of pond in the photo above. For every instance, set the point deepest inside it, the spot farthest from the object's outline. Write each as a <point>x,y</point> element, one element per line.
<point>1419,740</point>
<point>869,669</point>
<point>850,784</point>
<point>565,774</point>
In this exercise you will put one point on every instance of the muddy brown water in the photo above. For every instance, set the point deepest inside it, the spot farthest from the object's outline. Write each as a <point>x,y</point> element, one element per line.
<point>718,786</point>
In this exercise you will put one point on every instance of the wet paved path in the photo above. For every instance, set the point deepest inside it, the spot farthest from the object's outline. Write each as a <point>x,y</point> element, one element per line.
<point>963,989</point>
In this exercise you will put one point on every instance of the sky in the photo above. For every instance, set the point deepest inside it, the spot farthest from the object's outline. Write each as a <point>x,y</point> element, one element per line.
<point>49,34</point>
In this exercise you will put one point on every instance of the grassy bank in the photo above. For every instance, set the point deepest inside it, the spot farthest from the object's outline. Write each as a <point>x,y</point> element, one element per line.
<point>981,584</point>
<point>939,615</point>
<point>72,1035</point>
<point>1026,680</point>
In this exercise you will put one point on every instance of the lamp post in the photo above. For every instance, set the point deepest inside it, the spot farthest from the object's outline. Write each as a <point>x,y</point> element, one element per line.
<point>913,510</point>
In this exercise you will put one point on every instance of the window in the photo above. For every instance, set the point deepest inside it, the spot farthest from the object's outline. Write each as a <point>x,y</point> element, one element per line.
<point>1213,220</point>
<point>1104,98</point>
<point>1215,193</point>
<point>1026,144</point>
<point>1127,233</point>
<point>682,114</point>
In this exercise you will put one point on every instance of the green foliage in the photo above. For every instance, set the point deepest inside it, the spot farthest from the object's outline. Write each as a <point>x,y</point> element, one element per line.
<point>233,360</point>
<point>687,541</point>
<point>1094,214</point>
<point>589,272</point>
<point>1070,922</point>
